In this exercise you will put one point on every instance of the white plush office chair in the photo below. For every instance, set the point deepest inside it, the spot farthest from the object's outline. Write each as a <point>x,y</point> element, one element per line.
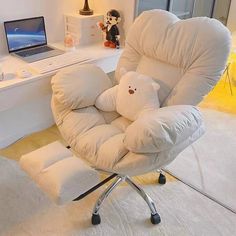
<point>186,57</point>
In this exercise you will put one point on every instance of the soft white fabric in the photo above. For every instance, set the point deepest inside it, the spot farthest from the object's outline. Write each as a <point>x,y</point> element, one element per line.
<point>107,100</point>
<point>160,130</point>
<point>109,116</point>
<point>111,152</point>
<point>34,162</point>
<point>159,45</point>
<point>60,175</point>
<point>67,82</point>
<point>135,94</point>
<point>186,58</point>
<point>80,121</point>
<point>144,162</point>
<point>89,142</point>
<point>67,179</point>
<point>166,75</point>
<point>121,123</point>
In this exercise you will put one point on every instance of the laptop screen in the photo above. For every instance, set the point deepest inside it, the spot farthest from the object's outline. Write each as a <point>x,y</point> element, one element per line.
<point>25,33</point>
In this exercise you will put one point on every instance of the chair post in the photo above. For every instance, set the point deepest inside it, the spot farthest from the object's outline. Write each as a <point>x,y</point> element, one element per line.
<point>155,217</point>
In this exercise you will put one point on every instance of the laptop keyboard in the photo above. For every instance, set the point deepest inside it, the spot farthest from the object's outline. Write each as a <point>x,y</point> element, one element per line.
<point>58,62</point>
<point>34,51</point>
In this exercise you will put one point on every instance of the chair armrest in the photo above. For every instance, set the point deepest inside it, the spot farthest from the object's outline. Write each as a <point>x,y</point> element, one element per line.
<point>162,129</point>
<point>79,86</point>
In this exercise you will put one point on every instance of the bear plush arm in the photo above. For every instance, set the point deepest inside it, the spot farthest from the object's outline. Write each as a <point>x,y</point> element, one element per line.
<point>163,129</point>
<point>107,100</point>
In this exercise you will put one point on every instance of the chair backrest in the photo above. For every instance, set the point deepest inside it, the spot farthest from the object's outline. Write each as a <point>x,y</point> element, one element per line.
<point>186,57</point>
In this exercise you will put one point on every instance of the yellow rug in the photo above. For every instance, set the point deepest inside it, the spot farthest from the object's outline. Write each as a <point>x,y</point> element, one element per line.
<point>220,98</point>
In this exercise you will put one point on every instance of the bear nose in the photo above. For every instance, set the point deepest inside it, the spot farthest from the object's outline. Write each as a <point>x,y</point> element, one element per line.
<point>131,91</point>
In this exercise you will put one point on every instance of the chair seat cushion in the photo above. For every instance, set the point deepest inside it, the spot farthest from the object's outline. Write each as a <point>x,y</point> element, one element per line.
<point>121,123</point>
<point>111,152</point>
<point>80,121</point>
<point>89,142</point>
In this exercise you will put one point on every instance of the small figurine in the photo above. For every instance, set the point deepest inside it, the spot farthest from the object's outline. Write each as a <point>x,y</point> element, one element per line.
<point>111,29</point>
<point>69,42</point>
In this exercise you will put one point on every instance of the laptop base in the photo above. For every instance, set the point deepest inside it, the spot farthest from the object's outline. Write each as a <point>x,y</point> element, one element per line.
<point>39,56</point>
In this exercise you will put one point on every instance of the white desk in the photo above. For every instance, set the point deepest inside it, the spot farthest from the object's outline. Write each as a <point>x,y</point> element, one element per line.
<point>25,103</point>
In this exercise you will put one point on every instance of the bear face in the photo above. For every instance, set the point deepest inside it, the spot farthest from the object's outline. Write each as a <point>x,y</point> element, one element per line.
<point>136,94</point>
<point>131,91</point>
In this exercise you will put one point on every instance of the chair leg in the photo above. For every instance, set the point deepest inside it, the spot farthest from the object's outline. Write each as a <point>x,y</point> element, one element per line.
<point>229,79</point>
<point>161,178</point>
<point>96,219</point>
<point>225,74</point>
<point>155,218</point>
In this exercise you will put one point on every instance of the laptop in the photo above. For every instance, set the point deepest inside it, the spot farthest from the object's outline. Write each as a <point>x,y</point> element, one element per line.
<point>26,39</point>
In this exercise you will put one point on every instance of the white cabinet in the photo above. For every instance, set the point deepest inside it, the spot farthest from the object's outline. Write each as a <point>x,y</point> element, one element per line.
<point>83,28</point>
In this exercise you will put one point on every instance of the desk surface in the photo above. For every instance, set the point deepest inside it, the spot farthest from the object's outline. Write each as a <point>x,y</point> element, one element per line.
<point>11,64</point>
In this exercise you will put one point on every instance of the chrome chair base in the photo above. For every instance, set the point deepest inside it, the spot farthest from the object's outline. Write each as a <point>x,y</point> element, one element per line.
<point>96,219</point>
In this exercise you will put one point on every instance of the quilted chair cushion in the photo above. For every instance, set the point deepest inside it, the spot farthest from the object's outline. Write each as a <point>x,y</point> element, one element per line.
<point>162,129</point>
<point>66,83</point>
<point>186,58</point>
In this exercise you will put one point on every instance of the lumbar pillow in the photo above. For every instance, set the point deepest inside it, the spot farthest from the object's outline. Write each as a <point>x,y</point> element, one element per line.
<point>135,95</point>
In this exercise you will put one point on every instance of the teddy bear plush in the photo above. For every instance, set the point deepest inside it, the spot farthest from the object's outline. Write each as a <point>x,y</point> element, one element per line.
<point>135,95</point>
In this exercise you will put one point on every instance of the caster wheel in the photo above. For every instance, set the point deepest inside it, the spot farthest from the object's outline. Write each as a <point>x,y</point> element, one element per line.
<point>162,179</point>
<point>96,219</point>
<point>155,219</point>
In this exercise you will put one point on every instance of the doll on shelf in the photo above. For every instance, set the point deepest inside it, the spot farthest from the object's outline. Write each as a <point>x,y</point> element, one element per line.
<point>111,29</point>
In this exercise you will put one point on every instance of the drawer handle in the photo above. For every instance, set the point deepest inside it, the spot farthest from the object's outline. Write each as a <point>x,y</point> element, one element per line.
<point>92,35</point>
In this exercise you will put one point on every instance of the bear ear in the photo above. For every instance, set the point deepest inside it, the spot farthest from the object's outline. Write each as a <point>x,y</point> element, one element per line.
<point>122,71</point>
<point>156,86</point>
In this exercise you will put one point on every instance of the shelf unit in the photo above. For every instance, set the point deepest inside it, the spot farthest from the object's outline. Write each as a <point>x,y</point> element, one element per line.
<point>83,29</point>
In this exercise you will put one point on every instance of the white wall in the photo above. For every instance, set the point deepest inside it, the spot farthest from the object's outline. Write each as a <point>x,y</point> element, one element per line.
<point>125,7</point>
<point>232,16</point>
<point>53,11</point>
